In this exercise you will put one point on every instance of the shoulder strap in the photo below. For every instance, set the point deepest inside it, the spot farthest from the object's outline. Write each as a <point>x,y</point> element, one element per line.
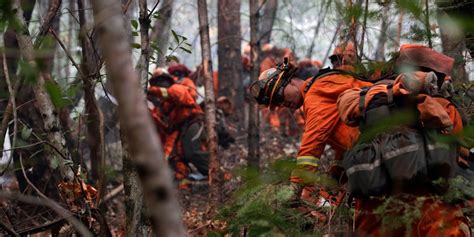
<point>328,71</point>
<point>363,93</point>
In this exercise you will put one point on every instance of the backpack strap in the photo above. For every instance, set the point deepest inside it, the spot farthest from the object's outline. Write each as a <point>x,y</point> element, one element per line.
<point>362,108</point>
<point>328,71</point>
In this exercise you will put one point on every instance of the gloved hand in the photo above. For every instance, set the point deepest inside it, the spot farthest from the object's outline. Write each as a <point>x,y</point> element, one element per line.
<point>301,176</point>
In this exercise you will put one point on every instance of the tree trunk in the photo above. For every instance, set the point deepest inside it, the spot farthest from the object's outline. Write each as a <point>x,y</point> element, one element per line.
<point>266,23</point>
<point>135,221</point>
<point>229,52</point>
<point>144,61</point>
<point>380,50</point>
<point>161,31</point>
<point>43,102</point>
<point>322,16</point>
<point>144,144</point>
<point>90,72</point>
<point>214,174</point>
<point>399,30</point>
<point>253,133</point>
<point>452,41</point>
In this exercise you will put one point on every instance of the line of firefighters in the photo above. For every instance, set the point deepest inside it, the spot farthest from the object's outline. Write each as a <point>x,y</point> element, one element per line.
<point>384,128</point>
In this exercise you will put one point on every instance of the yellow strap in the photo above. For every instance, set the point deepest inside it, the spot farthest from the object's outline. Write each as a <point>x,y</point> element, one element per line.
<point>307,160</point>
<point>164,92</point>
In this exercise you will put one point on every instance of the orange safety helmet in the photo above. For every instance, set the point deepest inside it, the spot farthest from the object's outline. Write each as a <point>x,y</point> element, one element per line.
<point>161,78</point>
<point>268,89</point>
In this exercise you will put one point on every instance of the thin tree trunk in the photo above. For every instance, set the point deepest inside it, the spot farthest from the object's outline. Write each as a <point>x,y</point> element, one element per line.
<point>144,144</point>
<point>210,101</point>
<point>135,221</point>
<point>266,23</point>
<point>322,15</point>
<point>427,24</point>
<point>90,72</point>
<point>44,105</point>
<point>161,31</point>
<point>380,50</point>
<point>364,28</point>
<point>253,133</point>
<point>144,61</point>
<point>399,29</point>
<point>452,41</point>
<point>229,52</point>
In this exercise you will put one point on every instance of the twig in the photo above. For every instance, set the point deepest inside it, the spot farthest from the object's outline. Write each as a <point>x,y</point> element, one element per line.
<point>52,12</point>
<point>67,52</point>
<point>79,226</point>
<point>127,5</point>
<point>12,107</point>
<point>153,9</point>
<point>116,191</point>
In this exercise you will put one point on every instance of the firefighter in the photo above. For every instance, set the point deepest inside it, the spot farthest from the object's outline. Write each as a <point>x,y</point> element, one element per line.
<point>181,75</point>
<point>184,137</point>
<point>323,126</point>
<point>401,159</point>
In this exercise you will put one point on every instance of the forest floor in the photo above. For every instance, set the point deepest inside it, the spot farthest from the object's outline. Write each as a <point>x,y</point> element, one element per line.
<point>194,201</point>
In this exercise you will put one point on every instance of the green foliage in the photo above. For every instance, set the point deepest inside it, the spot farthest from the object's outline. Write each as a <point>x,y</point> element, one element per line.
<point>410,6</point>
<point>6,13</point>
<point>396,212</point>
<point>262,204</point>
<point>55,93</point>
<point>29,72</point>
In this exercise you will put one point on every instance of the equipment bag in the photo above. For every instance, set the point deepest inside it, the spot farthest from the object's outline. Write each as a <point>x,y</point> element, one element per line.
<point>404,157</point>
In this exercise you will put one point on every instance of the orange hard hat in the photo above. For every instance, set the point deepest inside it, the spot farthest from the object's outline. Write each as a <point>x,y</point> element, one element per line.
<point>268,89</point>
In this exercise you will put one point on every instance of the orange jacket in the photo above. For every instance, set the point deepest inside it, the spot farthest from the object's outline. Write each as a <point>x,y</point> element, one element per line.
<point>186,81</point>
<point>177,103</point>
<point>322,122</point>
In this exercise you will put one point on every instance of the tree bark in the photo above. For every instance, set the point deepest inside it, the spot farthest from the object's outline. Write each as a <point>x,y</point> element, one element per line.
<point>161,31</point>
<point>452,41</point>
<point>266,23</point>
<point>144,61</point>
<point>43,102</point>
<point>135,221</point>
<point>214,174</point>
<point>253,133</point>
<point>90,72</point>
<point>380,50</point>
<point>144,145</point>
<point>229,52</point>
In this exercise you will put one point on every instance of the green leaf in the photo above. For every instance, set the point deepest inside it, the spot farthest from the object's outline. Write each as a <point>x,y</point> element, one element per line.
<point>135,33</point>
<point>136,45</point>
<point>68,163</point>
<point>55,94</point>
<point>185,50</point>
<point>170,48</point>
<point>30,72</point>
<point>134,24</point>
<point>188,44</point>
<point>26,133</point>
<point>176,38</point>
<point>172,58</point>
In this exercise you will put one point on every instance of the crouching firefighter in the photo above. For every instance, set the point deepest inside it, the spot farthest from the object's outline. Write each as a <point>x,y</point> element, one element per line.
<point>180,124</point>
<point>323,126</point>
<point>401,165</point>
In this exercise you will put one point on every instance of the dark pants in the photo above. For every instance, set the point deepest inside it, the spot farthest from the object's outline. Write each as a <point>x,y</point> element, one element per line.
<point>192,139</point>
